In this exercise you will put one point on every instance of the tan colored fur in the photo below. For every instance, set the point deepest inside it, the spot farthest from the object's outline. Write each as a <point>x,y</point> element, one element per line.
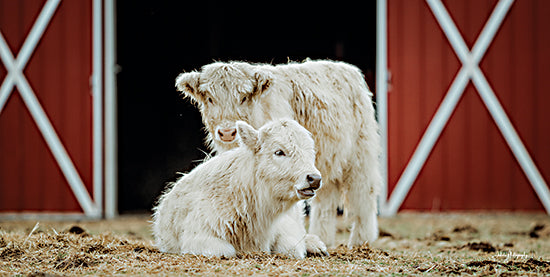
<point>243,200</point>
<point>331,100</point>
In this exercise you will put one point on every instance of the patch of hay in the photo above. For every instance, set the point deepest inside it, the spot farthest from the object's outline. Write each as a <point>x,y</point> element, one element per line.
<point>417,244</point>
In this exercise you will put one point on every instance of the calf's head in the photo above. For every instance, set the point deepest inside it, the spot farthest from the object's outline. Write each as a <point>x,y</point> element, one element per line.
<point>285,158</point>
<point>225,93</point>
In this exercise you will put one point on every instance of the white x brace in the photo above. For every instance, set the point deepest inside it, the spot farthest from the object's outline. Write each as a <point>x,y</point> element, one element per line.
<point>15,77</point>
<point>469,71</point>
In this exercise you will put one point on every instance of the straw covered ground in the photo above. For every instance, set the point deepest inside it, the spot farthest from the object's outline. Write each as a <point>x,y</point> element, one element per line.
<point>410,244</point>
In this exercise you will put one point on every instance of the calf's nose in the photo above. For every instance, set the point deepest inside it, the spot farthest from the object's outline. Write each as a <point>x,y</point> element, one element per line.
<point>227,134</point>
<point>314,180</point>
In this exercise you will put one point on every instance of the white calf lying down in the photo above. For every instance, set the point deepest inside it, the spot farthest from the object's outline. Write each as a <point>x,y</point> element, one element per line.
<point>246,199</point>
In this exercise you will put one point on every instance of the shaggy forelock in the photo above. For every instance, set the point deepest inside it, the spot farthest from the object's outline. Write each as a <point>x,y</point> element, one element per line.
<point>223,79</point>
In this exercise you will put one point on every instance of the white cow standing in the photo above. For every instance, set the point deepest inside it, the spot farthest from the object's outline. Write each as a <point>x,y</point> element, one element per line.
<point>331,100</point>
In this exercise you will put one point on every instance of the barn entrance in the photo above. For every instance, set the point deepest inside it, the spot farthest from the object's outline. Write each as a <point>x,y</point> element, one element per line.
<point>160,134</point>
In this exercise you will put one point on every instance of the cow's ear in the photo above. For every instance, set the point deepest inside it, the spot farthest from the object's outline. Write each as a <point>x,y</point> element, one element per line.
<point>260,77</point>
<point>263,81</point>
<point>188,84</point>
<point>249,135</point>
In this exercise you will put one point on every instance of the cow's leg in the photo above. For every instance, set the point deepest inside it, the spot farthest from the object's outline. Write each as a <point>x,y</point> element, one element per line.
<point>363,182</point>
<point>361,213</point>
<point>322,216</point>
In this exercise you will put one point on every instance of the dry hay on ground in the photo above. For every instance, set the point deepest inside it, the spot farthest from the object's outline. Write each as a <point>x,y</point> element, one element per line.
<point>410,244</point>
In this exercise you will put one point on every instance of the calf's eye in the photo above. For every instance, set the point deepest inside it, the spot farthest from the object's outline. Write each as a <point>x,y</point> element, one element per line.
<point>243,100</point>
<point>210,100</point>
<point>280,153</point>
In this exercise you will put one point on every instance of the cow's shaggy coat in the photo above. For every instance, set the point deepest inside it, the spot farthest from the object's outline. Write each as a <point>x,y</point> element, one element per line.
<point>245,199</point>
<point>331,100</point>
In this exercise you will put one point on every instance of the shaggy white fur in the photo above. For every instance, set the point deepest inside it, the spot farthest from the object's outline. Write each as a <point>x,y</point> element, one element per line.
<point>331,100</point>
<point>246,199</point>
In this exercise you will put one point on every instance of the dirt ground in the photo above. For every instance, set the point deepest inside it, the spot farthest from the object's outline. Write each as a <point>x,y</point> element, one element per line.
<point>501,244</point>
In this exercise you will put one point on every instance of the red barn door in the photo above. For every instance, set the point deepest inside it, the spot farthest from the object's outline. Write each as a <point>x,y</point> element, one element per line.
<point>47,109</point>
<point>467,104</point>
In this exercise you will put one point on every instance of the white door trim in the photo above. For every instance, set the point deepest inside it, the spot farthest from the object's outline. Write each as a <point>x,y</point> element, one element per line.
<point>381,95</point>
<point>111,158</point>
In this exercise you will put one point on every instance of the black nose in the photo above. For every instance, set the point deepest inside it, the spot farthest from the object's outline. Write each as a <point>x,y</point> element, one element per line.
<point>314,180</point>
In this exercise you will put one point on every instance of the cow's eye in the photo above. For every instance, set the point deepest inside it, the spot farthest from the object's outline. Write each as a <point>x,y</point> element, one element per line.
<point>280,153</point>
<point>243,100</point>
<point>210,100</point>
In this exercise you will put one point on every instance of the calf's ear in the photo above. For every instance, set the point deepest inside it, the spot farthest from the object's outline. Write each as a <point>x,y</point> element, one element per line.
<point>188,84</point>
<point>249,135</point>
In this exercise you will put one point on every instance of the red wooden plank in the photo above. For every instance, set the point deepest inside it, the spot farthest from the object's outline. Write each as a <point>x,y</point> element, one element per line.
<point>26,156</point>
<point>396,162</point>
<point>541,43</point>
<point>17,19</point>
<point>541,71</point>
<point>434,77</point>
<point>470,16</point>
<point>411,126</point>
<point>3,20</point>
<point>520,98</point>
<point>503,163</point>
<point>64,89</point>
<point>75,24</point>
<point>32,149</point>
<point>40,70</point>
<point>11,158</point>
<point>511,79</point>
<point>409,113</point>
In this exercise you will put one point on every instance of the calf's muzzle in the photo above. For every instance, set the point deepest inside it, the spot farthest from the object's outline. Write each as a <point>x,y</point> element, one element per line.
<point>314,181</point>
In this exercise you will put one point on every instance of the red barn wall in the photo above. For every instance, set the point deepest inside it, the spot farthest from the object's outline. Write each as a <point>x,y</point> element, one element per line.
<point>471,166</point>
<point>59,73</point>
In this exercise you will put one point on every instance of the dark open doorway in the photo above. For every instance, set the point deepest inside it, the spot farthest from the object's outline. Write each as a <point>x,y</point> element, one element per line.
<point>159,133</point>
